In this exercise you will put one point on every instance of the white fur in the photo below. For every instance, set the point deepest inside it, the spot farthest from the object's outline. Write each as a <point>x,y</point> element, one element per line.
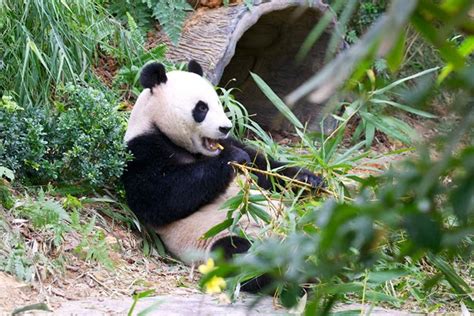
<point>183,238</point>
<point>170,107</point>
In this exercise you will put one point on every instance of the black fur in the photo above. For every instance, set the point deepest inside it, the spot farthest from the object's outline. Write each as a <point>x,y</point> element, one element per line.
<point>258,160</point>
<point>164,182</point>
<point>162,173</point>
<point>195,67</point>
<point>153,74</point>
<point>200,111</point>
<point>260,284</point>
<point>224,130</point>
<point>232,245</point>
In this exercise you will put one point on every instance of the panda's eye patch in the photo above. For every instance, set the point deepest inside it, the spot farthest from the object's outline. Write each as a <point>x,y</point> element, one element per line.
<point>200,111</point>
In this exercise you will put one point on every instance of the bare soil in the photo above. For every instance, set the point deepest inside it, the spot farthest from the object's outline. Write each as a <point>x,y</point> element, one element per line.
<point>82,279</point>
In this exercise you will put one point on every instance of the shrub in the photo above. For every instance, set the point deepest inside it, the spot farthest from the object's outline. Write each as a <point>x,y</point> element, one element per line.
<point>90,137</point>
<point>23,138</point>
<point>80,141</point>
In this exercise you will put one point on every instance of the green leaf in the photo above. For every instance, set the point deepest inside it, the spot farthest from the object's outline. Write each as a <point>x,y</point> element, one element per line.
<point>400,81</point>
<point>424,231</point>
<point>331,144</point>
<point>137,297</point>
<point>466,48</point>
<point>354,287</point>
<point>458,284</point>
<point>171,14</point>
<point>369,134</point>
<point>375,296</point>
<point>346,156</point>
<point>289,295</point>
<point>279,104</point>
<point>390,126</point>
<point>217,228</point>
<point>233,202</point>
<point>404,108</point>
<point>259,212</point>
<point>395,57</point>
<point>341,27</point>
<point>379,277</point>
<point>462,200</point>
<point>32,45</point>
<point>446,49</point>
<point>318,30</point>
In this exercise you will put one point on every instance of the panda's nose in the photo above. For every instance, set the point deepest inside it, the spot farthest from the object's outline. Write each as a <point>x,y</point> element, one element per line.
<point>224,130</point>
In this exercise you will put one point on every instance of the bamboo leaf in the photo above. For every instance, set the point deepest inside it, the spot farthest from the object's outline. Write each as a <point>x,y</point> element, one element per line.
<point>217,228</point>
<point>379,277</point>
<point>446,49</point>
<point>395,57</point>
<point>465,49</point>
<point>458,284</point>
<point>259,212</point>
<point>279,104</point>
<point>404,108</point>
<point>387,125</point>
<point>318,30</point>
<point>369,134</point>
<point>399,82</point>
<point>37,52</point>
<point>233,202</point>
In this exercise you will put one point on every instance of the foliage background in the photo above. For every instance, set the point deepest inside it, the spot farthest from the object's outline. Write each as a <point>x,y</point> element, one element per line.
<point>403,238</point>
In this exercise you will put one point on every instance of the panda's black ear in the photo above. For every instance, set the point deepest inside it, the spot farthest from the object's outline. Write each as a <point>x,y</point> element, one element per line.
<point>153,74</point>
<point>193,66</point>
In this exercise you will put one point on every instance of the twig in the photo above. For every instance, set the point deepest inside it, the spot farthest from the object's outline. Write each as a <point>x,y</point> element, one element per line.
<point>302,184</point>
<point>269,200</point>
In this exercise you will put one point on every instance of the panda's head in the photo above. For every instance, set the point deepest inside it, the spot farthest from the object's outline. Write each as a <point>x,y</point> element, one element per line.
<point>183,105</point>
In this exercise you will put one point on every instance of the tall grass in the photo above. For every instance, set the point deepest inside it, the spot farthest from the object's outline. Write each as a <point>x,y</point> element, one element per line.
<point>48,42</point>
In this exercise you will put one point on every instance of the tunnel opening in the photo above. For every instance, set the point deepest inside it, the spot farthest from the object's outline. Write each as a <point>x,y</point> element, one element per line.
<point>268,48</point>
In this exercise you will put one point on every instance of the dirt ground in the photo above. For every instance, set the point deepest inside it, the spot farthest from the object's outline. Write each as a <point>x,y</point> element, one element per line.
<point>133,273</point>
<point>15,296</point>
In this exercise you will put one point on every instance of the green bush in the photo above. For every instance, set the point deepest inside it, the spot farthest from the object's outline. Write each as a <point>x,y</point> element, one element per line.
<point>90,137</point>
<point>81,141</point>
<point>23,139</point>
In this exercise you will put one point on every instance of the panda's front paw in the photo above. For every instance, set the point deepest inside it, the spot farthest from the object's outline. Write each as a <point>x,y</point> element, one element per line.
<point>232,153</point>
<point>306,176</point>
<point>310,178</point>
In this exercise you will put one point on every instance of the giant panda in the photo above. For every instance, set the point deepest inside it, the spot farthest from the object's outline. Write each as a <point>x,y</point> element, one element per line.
<point>180,176</point>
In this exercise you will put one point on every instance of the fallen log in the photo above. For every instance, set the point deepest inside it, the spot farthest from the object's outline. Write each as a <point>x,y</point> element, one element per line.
<point>232,41</point>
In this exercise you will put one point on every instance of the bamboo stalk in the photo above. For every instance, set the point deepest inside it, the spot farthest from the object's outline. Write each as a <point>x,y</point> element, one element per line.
<point>302,184</point>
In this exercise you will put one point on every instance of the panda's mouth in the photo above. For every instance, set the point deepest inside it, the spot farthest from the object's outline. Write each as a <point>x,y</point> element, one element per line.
<point>211,144</point>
